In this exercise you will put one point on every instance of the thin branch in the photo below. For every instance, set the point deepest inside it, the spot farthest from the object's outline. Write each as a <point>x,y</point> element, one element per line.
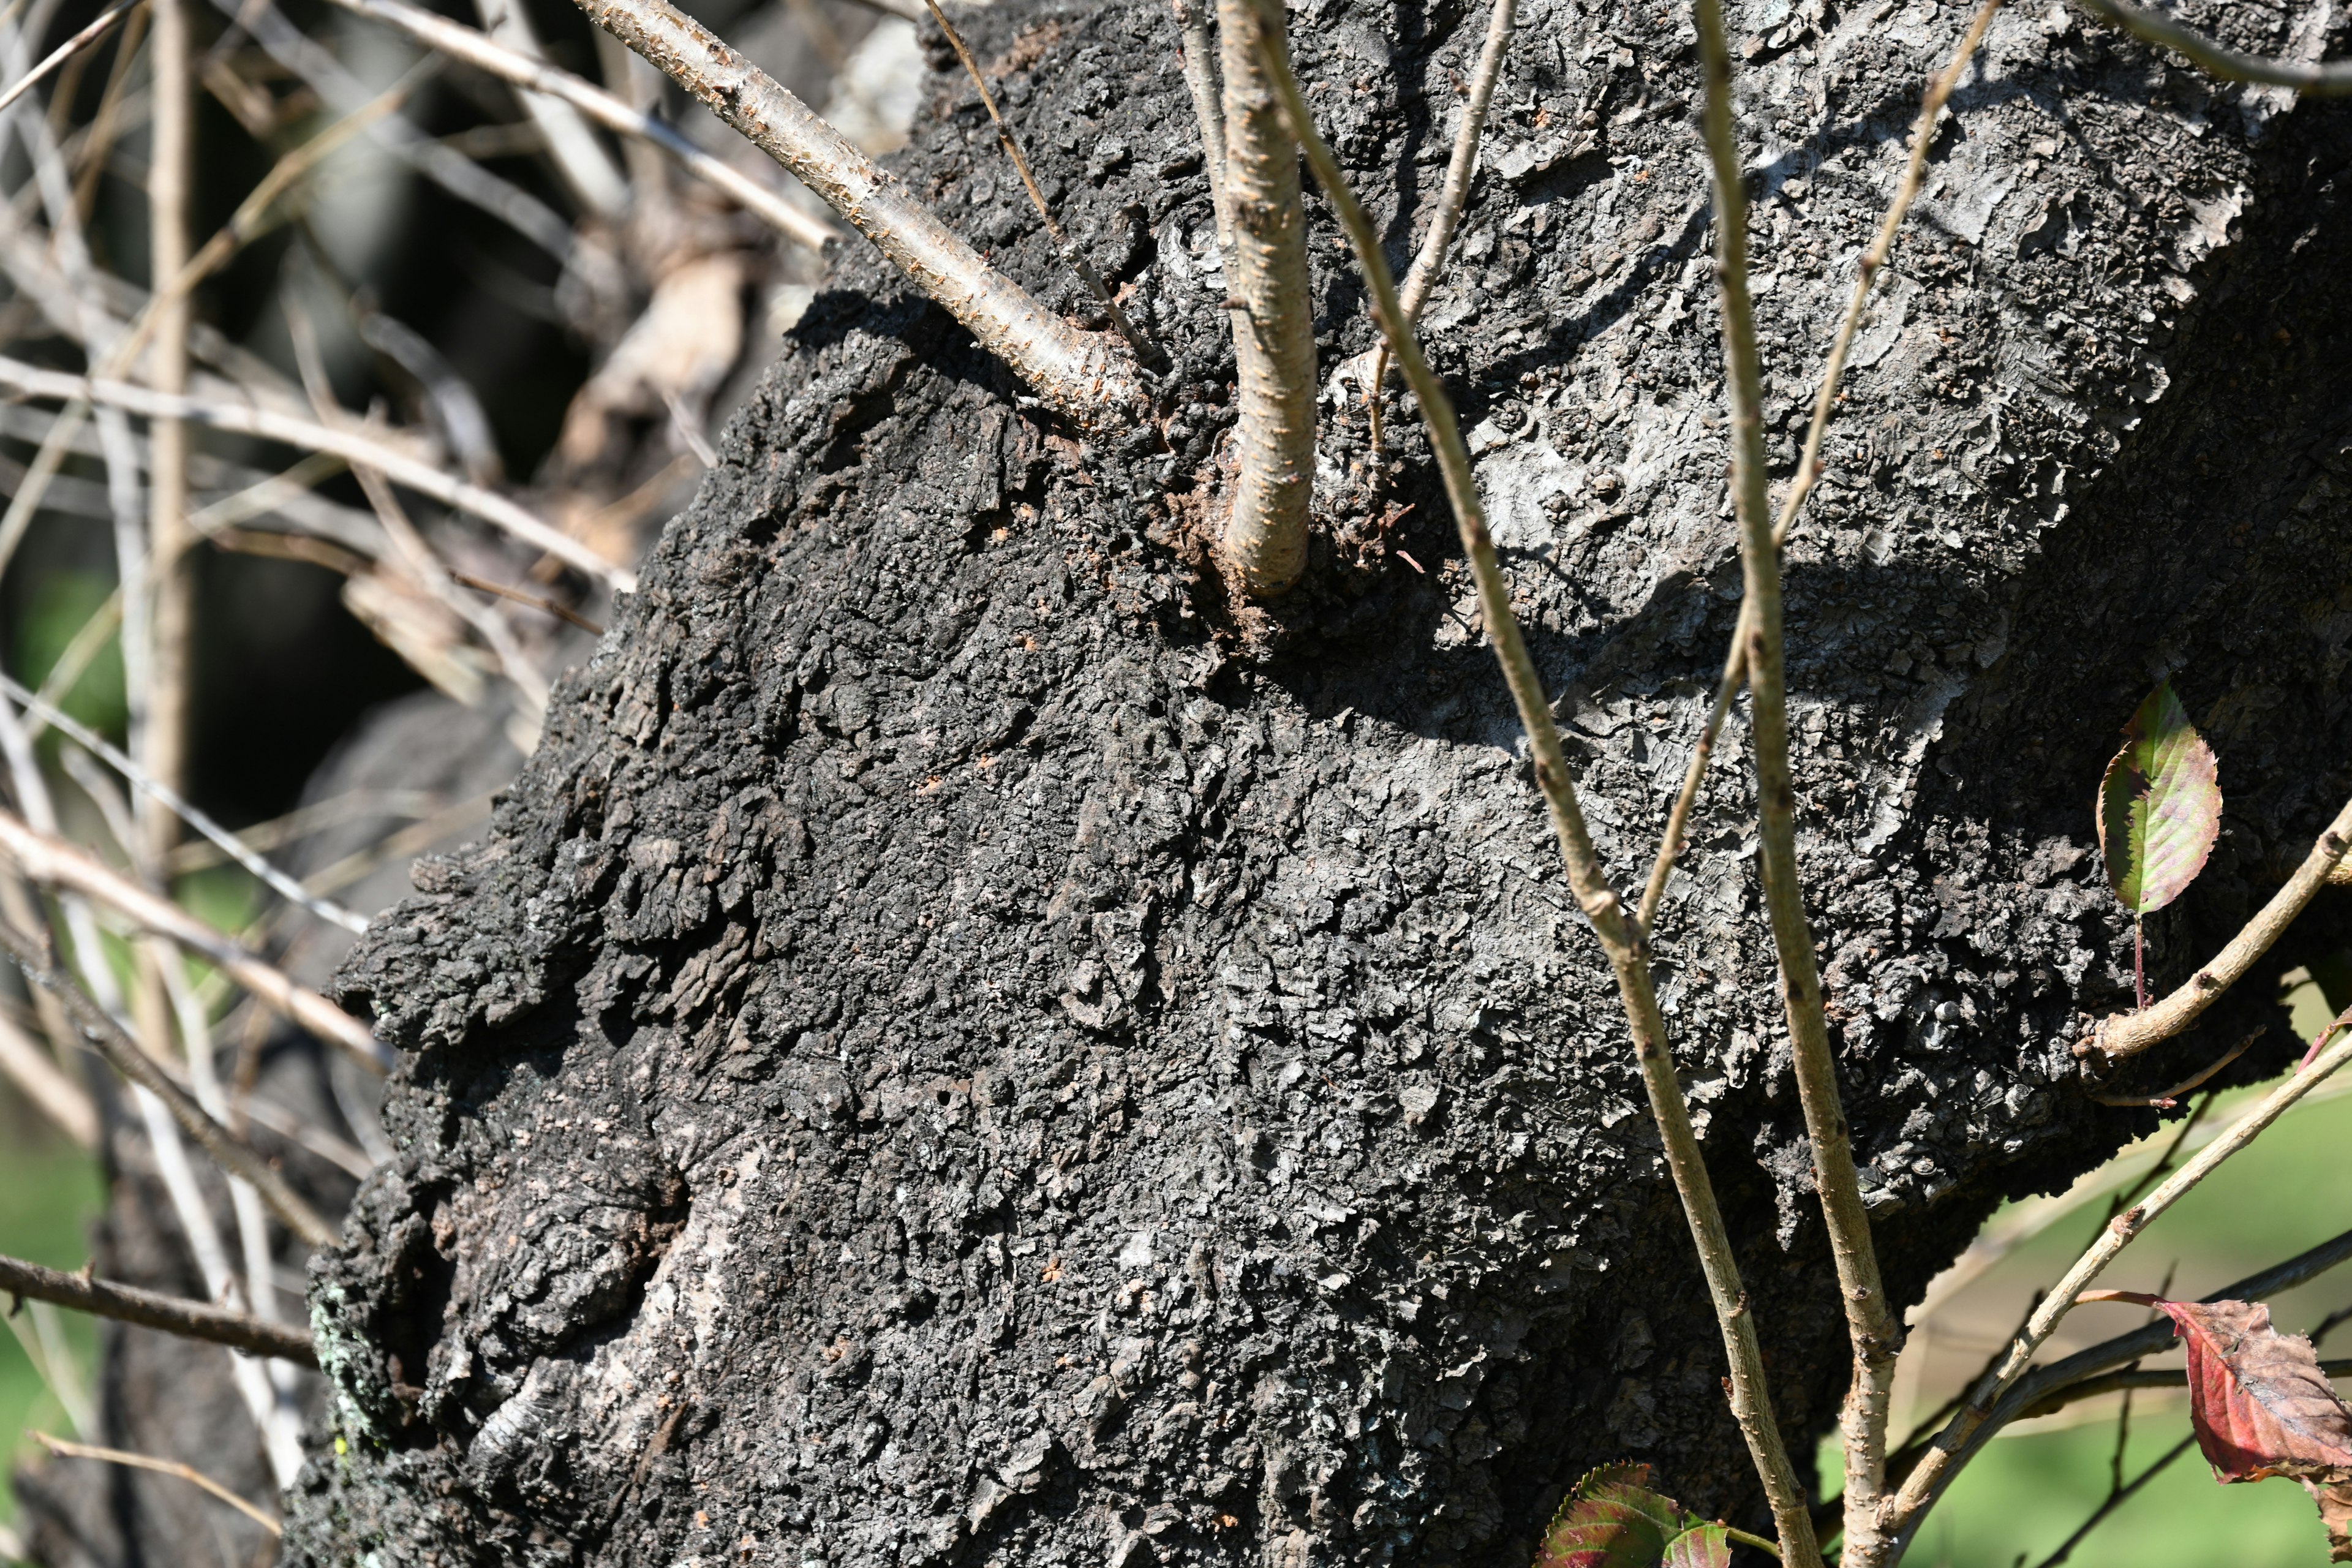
<point>2319,1042</point>
<point>1199,47</point>
<point>2329,81</point>
<point>105,1036</point>
<point>582,161</point>
<point>1750,1399</point>
<point>55,863</point>
<point>1870,1323</point>
<point>2128,1034</point>
<point>486,54</point>
<point>2117,1498</point>
<point>63,52</point>
<point>1274,326</point>
<point>154,1310</point>
<point>536,601</point>
<point>2134,1378</point>
<point>46,1086</point>
<point>171,583</point>
<point>2165,1099</point>
<point>247,420</point>
<point>1952,1446</point>
<point>1809,465</point>
<point>1071,255</point>
<point>1089,377</point>
<point>188,1473</point>
<point>278,881</point>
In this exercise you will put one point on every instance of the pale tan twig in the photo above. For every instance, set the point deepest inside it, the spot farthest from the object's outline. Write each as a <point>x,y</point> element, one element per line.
<point>1809,465</point>
<point>278,881</point>
<point>1199,48</point>
<point>484,53</point>
<point>536,601</point>
<point>1071,255</point>
<point>1750,1399</point>
<point>1274,328</point>
<point>573,149</point>
<point>1089,377</point>
<point>188,1473</point>
<point>1870,1322</point>
<point>2165,1099</point>
<point>63,52</point>
<point>80,651</point>
<point>152,1310</point>
<point>398,467</point>
<point>171,583</point>
<point>1954,1443</point>
<point>107,1037</point>
<point>2128,1034</point>
<point>53,862</point>
<point>45,1086</point>
<point>2330,80</point>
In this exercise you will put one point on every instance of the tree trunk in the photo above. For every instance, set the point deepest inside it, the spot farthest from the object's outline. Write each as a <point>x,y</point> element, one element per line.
<point>965,1047</point>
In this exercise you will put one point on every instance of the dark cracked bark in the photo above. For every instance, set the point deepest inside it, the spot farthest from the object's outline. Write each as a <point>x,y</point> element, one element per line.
<point>948,1055</point>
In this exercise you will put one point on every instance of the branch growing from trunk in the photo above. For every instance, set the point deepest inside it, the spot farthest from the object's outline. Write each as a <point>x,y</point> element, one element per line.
<point>53,863</point>
<point>1958,1441</point>
<point>1089,377</point>
<point>107,1037</point>
<point>2330,80</point>
<point>2128,1034</point>
<point>188,1473</point>
<point>1870,1325</point>
<point>1809,465</point>
<point>1274,329</point>
<point>1751,1400</point>
<point>152,1310</point>
<point>1199,47</point>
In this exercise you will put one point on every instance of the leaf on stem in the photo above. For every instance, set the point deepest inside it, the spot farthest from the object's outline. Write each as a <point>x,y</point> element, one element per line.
<point>2261,1404</point>
<point>1613,1520</point>
<point>2159,806</point>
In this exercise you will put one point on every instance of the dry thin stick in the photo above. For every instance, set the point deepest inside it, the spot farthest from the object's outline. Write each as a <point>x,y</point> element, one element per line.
<point>1750,1399</point>
<point>2137,1378</point>
<point>62,53</point>
<point>2167,1098</point>
<point>1808,465</point>
<point>105,1036</point>
<point>536,601</point>
<point>152,1310</point>
<point>278,881</point>
<point>578,156</point>
<point>55,863</point>
<point>170,584</point>
<point>2129,1034</point>
<point>1953,1444</point>
<point>2328,80</point>
<point>1870,1324</point>
<point>1199,47</point>
<point>1273,328</point>
<point>1071,253</point>
<point>484,53</point>
<point>40,1080</point>
<point>1090,377</point>
<point>245,420</point>
<point>2116,1497</point>
<point>63,1449</point>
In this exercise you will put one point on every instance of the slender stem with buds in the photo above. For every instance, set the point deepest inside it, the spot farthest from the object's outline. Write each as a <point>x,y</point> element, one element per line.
<point>1274,328</point>
<point>152,1310</point>
<point>1089,377</point>
<point>1870,1324</point>
<point>1751,1400</point>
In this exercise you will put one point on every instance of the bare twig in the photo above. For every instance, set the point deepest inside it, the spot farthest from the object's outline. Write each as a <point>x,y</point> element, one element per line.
<point>278,881</point>
<point>1199,47</point>
<point>1950,1446</point>
<point>536,601</point>
<point>2129,1034</point>
<point>62,53</point>
<point>1870,1323</point>
<point>1071,255</point>
<point>398,467</point>
<point>536,75</point>
<point>55,863</point>
<point>584,164</point>
<point>2116,1497</point>
<point>45,1086</point>
<point>1750,1399</point>
<point>152,1310</point>
<point>124,1056</point>
<point>171,585</point>
<point>2329,81</point>
<point>188,1473</point>
<point>2319,1042</point>
<point>1809,465</point>
<point>2134,1378</point>
<point>2165,1099</point>
<point>1274,329</point>
<point>1090,377</point>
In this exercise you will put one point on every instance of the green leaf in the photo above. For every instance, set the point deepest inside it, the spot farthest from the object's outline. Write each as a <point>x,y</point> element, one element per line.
<point>1613,1520</point>
<point>2159,806</point>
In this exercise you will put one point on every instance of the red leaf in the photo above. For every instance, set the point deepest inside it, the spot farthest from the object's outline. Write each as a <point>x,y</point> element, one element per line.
<point>2261,1406</point>
<point>1613,1520</point>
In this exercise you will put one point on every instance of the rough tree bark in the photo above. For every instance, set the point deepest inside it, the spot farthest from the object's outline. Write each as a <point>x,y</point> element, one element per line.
<point>962,1046</point>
